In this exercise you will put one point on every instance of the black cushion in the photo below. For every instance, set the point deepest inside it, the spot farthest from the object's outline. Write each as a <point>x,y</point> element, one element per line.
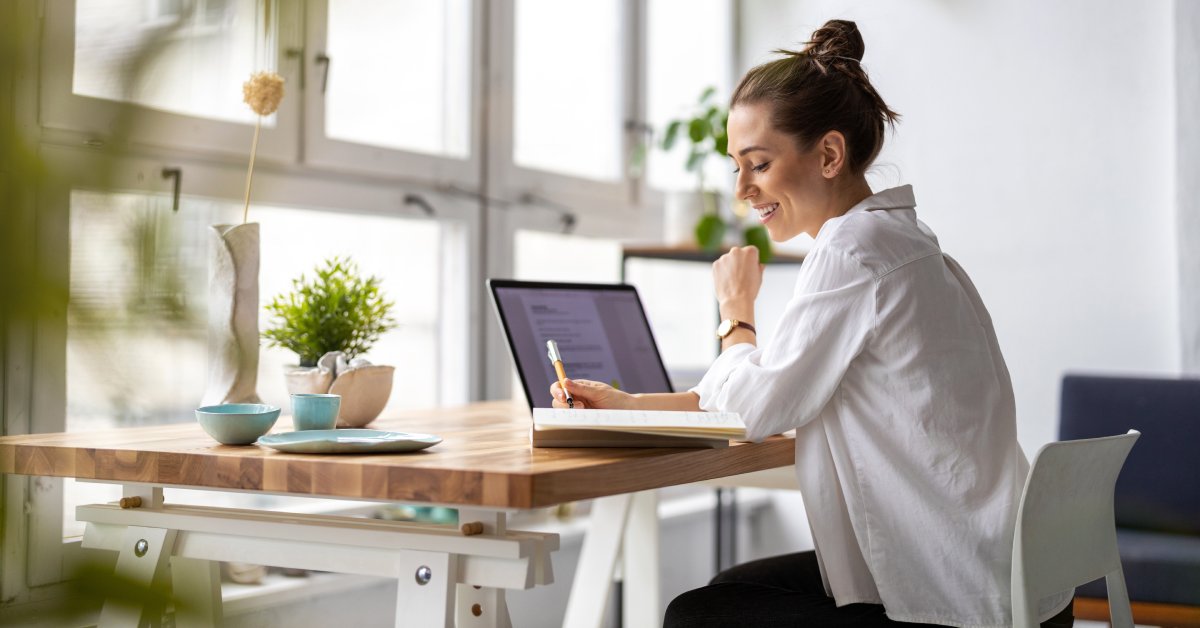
<point>1159,486</point>
<point>1158,567</point>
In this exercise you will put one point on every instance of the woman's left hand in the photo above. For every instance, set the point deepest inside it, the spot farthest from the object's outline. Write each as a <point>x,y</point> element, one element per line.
<point>737,276</point>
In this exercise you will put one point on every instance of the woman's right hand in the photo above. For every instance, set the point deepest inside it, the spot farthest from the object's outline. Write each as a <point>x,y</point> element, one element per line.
<point>589,394</point>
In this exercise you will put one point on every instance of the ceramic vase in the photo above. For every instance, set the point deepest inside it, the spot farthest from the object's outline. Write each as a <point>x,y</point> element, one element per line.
<point>232,314</point>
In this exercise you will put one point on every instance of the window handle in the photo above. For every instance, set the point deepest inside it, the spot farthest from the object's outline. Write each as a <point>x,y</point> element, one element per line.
<point>324,60</point>
<point>177,175</point>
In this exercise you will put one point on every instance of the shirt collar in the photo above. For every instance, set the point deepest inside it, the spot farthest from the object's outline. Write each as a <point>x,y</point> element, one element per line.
<point>895,198</point>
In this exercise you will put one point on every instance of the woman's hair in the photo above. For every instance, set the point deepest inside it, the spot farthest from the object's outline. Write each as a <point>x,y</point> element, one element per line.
<point>820,89</point>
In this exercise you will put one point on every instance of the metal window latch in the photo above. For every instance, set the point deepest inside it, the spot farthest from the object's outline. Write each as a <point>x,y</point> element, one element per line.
<point>177,175</point>
<point>297,53</point>
<point>324,60</point>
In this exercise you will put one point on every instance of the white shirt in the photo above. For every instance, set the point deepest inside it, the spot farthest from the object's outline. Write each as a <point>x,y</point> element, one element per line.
<point>886,365</point>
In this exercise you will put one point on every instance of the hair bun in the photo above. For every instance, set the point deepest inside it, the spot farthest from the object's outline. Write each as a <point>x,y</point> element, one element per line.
<point>837,38</point>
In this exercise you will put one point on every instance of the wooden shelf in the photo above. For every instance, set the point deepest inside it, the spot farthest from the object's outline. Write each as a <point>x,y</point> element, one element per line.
<point>688,253</point>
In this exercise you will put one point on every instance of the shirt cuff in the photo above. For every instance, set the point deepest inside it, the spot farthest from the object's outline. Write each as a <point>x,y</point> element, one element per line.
<point>714,380</point>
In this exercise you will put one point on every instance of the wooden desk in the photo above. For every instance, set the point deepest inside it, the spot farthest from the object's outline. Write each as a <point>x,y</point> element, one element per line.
<point>485,466</point>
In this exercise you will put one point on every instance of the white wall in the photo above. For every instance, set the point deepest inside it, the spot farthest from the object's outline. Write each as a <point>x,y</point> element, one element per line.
<point>1039,137</point>
<point>1187,99</point>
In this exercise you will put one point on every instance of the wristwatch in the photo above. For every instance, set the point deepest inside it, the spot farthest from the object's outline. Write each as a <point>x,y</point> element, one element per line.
<point>728,325</point>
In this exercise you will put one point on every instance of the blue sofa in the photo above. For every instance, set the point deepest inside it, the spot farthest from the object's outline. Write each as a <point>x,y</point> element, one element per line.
<point>1157,498</point>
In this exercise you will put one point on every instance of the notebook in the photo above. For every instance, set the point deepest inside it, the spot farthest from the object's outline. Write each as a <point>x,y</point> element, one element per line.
<point>720,425</point>
<point>603,334</point>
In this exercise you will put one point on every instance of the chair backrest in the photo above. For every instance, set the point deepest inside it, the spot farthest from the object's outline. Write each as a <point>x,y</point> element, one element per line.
<point>1159,488</point>
<point>1065,533</point>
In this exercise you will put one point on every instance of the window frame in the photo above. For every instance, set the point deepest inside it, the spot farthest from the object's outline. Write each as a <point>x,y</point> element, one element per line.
<point>322,151</point>
<point>95,121</point>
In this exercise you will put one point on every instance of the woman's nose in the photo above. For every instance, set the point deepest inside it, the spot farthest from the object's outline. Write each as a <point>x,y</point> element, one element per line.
<point>742,188</point>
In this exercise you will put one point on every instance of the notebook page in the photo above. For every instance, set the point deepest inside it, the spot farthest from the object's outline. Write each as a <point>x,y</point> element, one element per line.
<point>698,422</point>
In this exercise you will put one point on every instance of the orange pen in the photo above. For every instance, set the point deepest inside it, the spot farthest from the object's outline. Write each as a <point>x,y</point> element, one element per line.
<point>556,359</point>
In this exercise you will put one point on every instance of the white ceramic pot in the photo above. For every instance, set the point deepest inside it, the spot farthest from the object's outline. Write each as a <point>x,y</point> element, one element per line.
<point>232,315</point>
<point>683,210</point>
<point>365,391</point>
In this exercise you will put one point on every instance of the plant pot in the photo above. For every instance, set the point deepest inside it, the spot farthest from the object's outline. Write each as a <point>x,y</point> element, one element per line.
<point>232,315</point>
<point>682,211</point>
<point>365,388</point>
<point>365,391</point>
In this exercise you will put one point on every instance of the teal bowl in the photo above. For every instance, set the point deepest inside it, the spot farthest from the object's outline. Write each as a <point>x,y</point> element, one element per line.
<point>237,423</point>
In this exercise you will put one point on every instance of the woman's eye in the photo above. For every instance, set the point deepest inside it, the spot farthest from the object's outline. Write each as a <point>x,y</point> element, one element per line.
<point>761,167</point>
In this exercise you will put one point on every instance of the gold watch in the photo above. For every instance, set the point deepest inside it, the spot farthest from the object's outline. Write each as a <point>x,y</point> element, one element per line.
<point>728,325</point>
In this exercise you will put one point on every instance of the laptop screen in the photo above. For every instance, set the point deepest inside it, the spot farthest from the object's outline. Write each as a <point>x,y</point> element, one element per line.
<point>601,331</point>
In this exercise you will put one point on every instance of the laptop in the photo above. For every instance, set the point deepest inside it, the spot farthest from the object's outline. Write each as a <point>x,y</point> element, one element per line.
<point>602,333</point>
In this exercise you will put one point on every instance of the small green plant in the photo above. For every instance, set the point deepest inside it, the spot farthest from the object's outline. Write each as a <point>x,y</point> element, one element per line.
<point>705,130</point>
<point>337,311</point>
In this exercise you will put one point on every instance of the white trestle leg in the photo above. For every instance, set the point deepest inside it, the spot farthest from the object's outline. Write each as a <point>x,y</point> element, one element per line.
<point>196,587</point>
<point>425,592</point>
<point>639,559</point>
<point>141,563</point>
<point>597,562</point>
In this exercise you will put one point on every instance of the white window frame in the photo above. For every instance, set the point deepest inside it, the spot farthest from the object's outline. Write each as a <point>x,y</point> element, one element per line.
<point>520,184</point>
<point>325,152</point>
<point>94,121</point>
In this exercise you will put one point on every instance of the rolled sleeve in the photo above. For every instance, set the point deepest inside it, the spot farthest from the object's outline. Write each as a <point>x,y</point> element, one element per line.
<point>787,383</point>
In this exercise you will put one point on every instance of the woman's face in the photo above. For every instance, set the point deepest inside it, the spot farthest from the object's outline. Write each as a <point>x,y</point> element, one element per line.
<point>785,186</point>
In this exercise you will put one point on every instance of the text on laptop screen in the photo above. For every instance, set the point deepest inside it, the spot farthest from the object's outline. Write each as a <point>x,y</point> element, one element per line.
<point>602,335</point>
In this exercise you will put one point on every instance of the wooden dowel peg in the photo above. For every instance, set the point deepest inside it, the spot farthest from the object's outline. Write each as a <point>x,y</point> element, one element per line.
<point>473,528</point>
<point>131,502</point>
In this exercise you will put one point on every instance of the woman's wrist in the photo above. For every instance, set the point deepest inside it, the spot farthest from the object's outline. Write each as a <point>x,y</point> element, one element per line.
<point>740,309</point>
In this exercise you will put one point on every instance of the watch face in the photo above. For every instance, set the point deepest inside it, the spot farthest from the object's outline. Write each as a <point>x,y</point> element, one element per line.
<point>724,328</point>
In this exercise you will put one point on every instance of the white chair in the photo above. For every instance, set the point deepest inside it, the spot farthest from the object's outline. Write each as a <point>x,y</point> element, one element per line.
<point>1065,534</point>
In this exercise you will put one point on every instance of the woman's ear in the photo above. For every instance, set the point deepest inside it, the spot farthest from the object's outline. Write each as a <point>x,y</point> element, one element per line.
<point>833,154</point>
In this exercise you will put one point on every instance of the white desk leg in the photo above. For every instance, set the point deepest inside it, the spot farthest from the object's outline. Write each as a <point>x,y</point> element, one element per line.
<point>425,593</point>
<point>141,563</point>
<point>640,604</point>
<point>597,561</point>
<point>196,585</point>
<point>482,607</point>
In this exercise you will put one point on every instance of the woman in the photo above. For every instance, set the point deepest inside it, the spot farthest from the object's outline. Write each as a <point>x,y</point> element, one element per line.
<point>885,363</point>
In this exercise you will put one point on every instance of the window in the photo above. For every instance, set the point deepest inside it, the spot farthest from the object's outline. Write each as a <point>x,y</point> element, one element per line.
<point>688,50</point>
<point>384,55</point>
<point>196,54</point>
<point>569,88</point>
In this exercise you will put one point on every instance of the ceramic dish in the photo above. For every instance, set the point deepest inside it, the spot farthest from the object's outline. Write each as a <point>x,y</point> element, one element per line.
<point>237,423</point>
<point>347,441</point>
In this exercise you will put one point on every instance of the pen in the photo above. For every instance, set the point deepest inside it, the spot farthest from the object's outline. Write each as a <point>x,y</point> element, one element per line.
<point>556,359</point>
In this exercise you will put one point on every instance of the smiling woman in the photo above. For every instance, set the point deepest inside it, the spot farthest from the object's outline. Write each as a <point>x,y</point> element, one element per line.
<point>884,363</point>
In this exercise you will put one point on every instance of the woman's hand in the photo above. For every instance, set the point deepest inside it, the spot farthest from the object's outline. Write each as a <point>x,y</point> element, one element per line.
<point>589,394</point>
<point>737,276</point>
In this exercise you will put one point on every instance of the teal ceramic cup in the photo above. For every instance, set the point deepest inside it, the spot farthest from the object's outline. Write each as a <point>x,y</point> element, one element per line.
<point>312,411</point>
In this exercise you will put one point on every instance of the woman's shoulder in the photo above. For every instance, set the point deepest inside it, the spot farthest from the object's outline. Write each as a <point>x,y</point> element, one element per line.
<point>879,239</point>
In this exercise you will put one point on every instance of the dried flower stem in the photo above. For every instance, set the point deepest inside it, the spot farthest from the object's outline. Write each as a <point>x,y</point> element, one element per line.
<point>250,170</point>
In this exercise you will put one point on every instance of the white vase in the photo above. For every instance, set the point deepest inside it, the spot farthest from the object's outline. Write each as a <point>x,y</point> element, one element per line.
<point>232,314</point>
<point>682,211</point>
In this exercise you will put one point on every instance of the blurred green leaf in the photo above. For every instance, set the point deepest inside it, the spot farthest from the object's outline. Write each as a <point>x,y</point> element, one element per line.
<point>708,93</point>
<point>710,232</point>
<point>672,132</point>
<point>698,129</point>
<point>757,236</point>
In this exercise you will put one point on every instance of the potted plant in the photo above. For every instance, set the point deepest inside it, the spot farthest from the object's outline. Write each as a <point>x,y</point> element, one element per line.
<point>330,322</point>
<point>698,212</point>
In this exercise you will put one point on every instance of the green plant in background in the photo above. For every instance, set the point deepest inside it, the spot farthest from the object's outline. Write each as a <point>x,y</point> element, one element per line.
<point>337,311</point>
<point>705,130</point>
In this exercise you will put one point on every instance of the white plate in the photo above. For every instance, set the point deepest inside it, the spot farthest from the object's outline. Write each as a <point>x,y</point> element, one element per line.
<point>353,441</point>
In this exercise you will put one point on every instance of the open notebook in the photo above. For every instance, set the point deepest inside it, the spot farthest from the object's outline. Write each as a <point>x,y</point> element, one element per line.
<point>718,427</point>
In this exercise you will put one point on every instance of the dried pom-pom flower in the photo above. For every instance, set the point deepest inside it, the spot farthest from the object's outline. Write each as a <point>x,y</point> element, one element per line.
<point>263,92</point>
